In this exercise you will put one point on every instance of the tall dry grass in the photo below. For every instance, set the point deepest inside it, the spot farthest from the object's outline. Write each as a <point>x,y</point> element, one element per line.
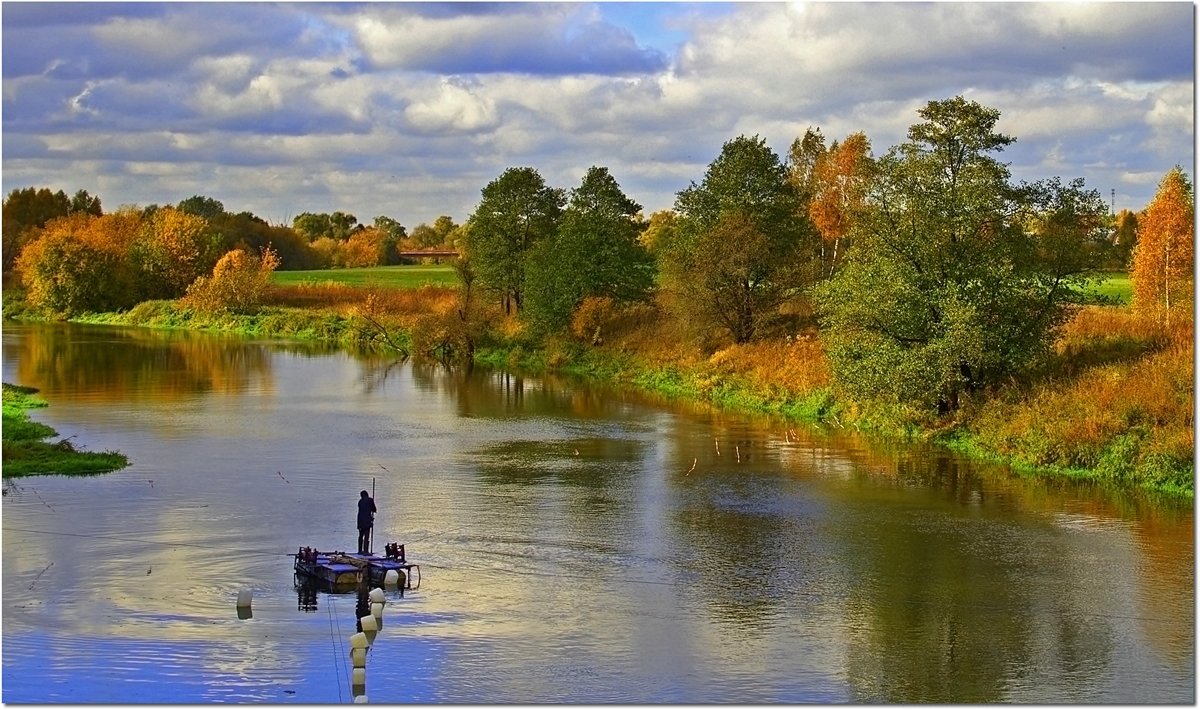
<point>1119,403</point>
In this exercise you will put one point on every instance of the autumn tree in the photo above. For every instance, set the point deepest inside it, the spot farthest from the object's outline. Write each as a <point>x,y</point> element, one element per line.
<point>1164,258</point>
<point>517,210</point>
<point>172,249</point>
<point>838,189</point>
<point>81,263</point>
<point>956,278</point>
<point>594,252</point>
<point>366,247</point>
<point>741,245</point>
<point>236,285</point>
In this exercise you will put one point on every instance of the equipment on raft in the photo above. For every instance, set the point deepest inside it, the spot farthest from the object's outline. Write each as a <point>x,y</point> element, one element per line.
<point>344,571</point>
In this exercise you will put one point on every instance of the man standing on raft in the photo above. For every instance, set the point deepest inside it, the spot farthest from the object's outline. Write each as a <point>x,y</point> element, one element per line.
<point>366,520</point>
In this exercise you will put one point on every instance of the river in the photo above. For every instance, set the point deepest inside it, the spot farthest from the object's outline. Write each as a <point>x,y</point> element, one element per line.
<point>577,544</point>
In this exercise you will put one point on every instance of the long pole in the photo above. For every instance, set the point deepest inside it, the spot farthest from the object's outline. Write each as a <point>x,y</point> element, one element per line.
<point>371,536</point>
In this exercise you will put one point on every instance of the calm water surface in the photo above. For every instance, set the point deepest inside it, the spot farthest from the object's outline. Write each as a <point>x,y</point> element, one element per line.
<point>577,544</point>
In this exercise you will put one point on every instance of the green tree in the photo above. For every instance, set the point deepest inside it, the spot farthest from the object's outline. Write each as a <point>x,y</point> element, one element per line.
<point>443,226</point>
<point>26,210</point>
<point>595,252</point>
<point>517,210</point>
<point>803,157</point>
<point>201,206</point>
<point>425,237</point>
<point>313,226</point>
<point>955,278</point>
<point>1124,237</point>
<point>84,203</point>
<point>741,245</point>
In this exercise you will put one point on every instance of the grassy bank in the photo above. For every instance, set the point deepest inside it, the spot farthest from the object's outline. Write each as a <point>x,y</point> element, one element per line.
<point>26,452</point>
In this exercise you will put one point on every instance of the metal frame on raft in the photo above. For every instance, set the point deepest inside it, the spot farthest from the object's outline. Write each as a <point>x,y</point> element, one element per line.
<point>344,571</point>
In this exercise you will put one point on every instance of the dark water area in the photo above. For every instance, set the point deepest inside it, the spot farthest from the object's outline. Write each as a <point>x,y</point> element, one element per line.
<point>578,544</point>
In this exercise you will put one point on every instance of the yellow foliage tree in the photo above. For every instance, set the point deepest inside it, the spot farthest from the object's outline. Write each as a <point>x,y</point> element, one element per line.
<point>173,249</point>
<point>1164,258</point>
<point>236,285</point>
<point>366,247</point>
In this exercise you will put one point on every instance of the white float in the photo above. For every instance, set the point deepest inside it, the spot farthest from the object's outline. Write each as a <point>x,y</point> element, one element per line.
<point>358,658</point>
<point>243,598</point>
<point>369,623</point>
<point>376,596</point>
<point>358,640</point>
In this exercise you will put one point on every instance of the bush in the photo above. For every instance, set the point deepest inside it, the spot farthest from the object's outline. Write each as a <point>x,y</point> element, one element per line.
<point>237,283</point>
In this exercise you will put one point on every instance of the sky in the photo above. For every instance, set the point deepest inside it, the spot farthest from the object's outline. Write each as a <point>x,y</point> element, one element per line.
<point>408,110</point>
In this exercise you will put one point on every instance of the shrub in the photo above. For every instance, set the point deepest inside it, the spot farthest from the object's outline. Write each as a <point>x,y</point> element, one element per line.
<point>237,283</point>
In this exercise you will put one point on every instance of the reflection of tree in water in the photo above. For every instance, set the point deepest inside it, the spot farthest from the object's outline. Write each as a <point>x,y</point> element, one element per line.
<point>748,559</point>
<point>947,602</point>
<point>140,364</point>
<point>499,394</point>
<point>1166,593</point>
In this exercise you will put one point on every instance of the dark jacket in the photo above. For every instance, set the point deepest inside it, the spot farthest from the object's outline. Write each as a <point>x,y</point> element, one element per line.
<point>366,513</point>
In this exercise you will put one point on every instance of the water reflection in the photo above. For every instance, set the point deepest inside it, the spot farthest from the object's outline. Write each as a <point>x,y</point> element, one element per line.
<point>644,551</point>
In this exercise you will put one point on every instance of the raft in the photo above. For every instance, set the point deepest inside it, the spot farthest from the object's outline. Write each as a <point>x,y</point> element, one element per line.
<point>344,571</point>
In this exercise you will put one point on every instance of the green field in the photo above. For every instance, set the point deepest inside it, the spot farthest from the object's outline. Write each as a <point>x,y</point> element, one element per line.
<point>386,276</point>
<point>1116,288</point>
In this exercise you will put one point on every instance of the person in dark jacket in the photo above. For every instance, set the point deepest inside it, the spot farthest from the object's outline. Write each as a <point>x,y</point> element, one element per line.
<point>366,520</point>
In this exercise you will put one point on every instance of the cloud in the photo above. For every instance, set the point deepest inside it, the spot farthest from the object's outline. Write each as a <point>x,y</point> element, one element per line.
<point>452,107</point>
<point>524,38</point>
<point>410,109</point>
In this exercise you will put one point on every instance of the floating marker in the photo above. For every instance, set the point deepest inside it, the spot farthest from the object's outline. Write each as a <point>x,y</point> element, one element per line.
<point>358,657</point>
<point>376,596</point>
<point>358,676</point>
<point>243,598</point>
<point>360,700</point>
<point>377,610</point>
<point>358,640</point>
<point>392,578</point>
<point>369,623</point>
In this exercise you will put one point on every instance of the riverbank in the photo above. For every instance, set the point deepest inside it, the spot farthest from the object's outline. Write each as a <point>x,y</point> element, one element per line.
<point>26,453</point>
<point>1113,403</point>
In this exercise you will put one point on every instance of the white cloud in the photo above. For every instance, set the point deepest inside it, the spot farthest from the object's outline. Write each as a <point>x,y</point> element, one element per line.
<point>452,107</point>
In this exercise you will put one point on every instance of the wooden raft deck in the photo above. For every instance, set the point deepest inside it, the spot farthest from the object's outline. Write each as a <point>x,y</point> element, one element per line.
<point>343,571</point>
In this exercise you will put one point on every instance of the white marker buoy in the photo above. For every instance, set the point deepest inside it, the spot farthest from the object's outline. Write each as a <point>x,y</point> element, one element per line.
<point>243,598</point>
<point>360,700</point>
<point>376,596</point>
<point>358,658</point>
<point>358,676</point>
<point>392,578</point>
<point>358,640</point>
<point>369,623</point>
<point>377,610</point>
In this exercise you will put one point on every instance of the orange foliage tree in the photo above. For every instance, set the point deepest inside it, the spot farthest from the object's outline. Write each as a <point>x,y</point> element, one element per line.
<point>1164,258</point>
<point>81,263</point>
<point>236,285</point>
<point>366,247</point>
<point>841,176</point>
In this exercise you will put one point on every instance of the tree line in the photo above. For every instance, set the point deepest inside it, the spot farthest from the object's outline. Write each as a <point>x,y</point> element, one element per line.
<point>928,271</point>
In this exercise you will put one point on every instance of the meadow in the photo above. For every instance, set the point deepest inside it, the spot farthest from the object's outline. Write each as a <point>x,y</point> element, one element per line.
<point>407,276</point>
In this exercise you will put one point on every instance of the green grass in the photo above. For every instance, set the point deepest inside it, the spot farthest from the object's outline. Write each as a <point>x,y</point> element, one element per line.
<point>1115,289</point>
<point>388,276</point>
<point>25,454</point>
